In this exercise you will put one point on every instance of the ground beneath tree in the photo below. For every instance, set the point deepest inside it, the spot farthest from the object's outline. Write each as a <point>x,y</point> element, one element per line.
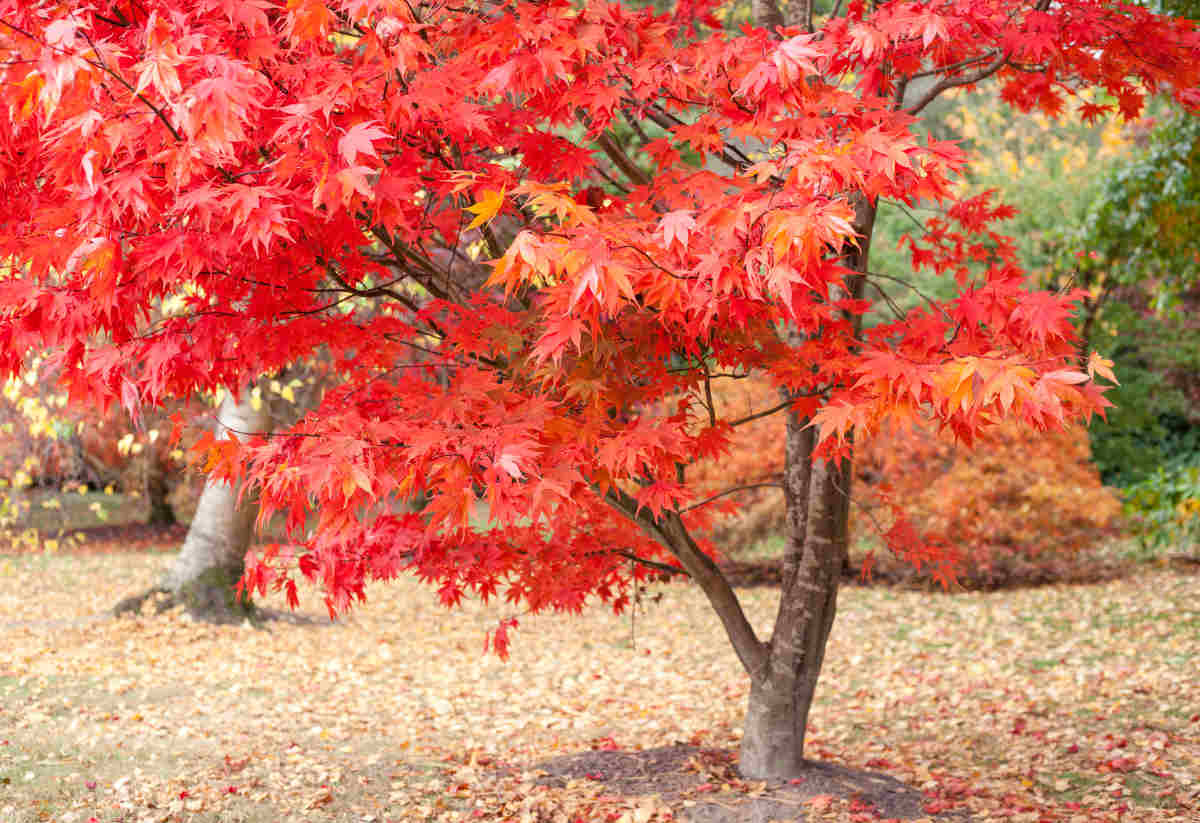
<point>1057,703</point>
<point>705,786</point>
<point>118,538</point>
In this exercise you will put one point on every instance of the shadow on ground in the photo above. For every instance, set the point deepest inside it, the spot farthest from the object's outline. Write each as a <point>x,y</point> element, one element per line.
<point>694,780</point>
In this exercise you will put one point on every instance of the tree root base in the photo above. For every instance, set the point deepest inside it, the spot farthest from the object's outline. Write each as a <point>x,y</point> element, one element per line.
<point>161,600</point>
<point>210,598</point>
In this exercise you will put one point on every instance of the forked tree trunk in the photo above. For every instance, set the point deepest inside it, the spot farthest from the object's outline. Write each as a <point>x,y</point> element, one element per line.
<point>817,494</point>
<point>781,693</point>
<point>784,670</point>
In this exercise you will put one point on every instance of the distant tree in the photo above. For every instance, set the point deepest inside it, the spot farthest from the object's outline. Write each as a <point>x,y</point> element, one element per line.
<point>54,446</point>
<point>204,574</point>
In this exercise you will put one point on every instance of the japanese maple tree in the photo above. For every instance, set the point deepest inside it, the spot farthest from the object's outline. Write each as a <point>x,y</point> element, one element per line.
<point>531,235</point>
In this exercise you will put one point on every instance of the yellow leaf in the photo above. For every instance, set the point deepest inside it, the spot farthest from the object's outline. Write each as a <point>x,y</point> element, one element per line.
<point>487,207</point>
<point>405,484</point>
<point>1101,366</point>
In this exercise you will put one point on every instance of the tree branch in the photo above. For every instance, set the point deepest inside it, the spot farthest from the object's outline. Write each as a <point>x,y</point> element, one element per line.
<point>622,160</point>
<point>652,564</point>
<point>732,490</point>
<point>954,82</point>
<point>670,533</point>
<point>777,408</point>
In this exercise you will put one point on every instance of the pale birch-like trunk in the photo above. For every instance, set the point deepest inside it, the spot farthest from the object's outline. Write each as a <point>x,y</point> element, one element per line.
<point>204,573</point>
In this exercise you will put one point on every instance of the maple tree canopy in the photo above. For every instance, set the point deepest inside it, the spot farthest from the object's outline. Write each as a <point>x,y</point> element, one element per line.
<point>199,192</point>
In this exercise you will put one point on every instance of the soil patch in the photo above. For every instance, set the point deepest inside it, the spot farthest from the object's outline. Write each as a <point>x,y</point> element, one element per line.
<point>703,782</point>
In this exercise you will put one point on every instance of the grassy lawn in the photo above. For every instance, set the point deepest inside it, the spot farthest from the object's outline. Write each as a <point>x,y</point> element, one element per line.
<point>50,519</point>
<point>1057,703</point>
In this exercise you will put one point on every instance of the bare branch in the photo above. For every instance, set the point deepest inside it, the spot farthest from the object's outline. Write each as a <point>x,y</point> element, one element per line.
<point>953,67</point>
<point>651,564</point>
<point>775,484</point>
<point>730,155</point>
<point>622,160</point>
<point>670,533</point>
<point>954,82</point>
<point>708,397</point>
<point>933,304</point>
<point>774,409</point>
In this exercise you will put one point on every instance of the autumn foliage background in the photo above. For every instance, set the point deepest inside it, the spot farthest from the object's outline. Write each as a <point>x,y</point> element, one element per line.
<point>1021,507</point>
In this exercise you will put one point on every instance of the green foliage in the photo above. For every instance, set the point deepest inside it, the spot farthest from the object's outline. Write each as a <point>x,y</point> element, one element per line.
<point>1046,168</point>
<point>1165,506</point>
<point>1120,223</point>
<point>1112,210</point>
<point>892,222</point>
<point>1154,420</point>
<point>1140,229</point>
<point>1137,252</point>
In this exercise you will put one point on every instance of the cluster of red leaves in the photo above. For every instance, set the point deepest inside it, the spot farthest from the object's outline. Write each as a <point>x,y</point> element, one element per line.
<point>198,193</point>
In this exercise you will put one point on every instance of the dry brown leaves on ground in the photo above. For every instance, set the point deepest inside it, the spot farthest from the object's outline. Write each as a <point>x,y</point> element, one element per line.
<point>1057,703</point>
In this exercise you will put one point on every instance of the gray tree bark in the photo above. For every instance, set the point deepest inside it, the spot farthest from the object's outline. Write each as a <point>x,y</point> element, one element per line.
<point>212,559</point>
<point>204,573</point>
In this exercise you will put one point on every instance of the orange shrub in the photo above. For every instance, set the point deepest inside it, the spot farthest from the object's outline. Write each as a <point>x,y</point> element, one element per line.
<point>1019,505</point>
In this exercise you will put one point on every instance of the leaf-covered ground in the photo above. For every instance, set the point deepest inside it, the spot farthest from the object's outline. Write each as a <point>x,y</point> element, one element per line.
<point>1057,703</point>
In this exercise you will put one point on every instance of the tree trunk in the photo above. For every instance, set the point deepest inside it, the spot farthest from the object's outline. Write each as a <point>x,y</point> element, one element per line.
<point>782,693</point>
<point>213,555</point>
<point>204,573</point>
<point>160,512</point>
<point>817,494</point>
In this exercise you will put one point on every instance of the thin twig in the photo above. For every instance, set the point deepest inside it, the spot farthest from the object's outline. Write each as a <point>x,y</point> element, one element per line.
<point>732,490</point>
